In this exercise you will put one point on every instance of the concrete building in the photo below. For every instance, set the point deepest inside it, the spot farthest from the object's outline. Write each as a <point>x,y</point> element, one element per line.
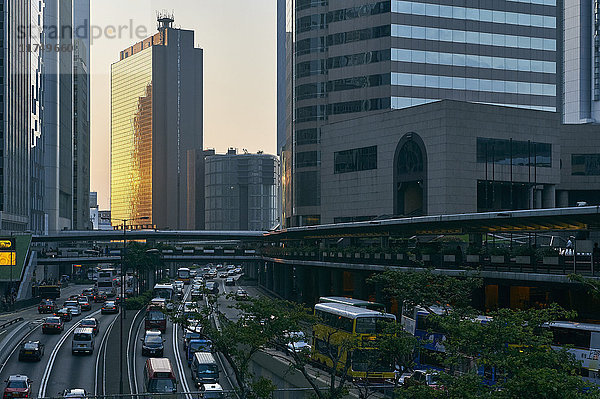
<point>157,118</point>
<point>447,157</point>
<point>241,191</point>
<point>20,108</point>
<point>349,59</point>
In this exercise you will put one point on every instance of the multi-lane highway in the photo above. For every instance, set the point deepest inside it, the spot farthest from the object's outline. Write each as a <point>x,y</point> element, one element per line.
<point>100,373</point>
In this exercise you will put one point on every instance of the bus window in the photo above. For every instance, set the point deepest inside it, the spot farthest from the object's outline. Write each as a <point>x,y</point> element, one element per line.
<point>371,325</point>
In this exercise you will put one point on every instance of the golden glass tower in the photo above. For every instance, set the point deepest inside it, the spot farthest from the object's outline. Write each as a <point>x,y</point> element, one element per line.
<point>131,140</point>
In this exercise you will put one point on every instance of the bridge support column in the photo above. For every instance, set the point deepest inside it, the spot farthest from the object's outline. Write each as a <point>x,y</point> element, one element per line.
<point>337,282</point>
<point>324,281</point>
<point>269,272</point>
<point>286,282</point>
<point>360,285</point>
<point>305,284</point>
<point>262,278</point>
<point>277,273</point>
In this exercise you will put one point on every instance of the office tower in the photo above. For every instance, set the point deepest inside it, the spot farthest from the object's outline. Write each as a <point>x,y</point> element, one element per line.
<point>350,60</point>
<point>20,111</point>
<point>581,61</point>
<point>156,97</point>
<point>241,191</point>
<point>81,115</point>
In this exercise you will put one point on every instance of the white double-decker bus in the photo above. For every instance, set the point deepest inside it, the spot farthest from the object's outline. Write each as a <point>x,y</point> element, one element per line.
<point>106,283</point>
<point>584,342</point>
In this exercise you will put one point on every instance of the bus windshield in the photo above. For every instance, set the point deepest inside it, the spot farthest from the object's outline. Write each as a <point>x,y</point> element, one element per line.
<point>183,273</point>
<point>155,315</point>
<point>105,284</point>
<point>163,293</point>
<point>371,325</point>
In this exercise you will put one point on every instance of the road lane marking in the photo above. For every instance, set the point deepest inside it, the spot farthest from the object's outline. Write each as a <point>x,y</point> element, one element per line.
<point>102,342</point>
<point>178,362</point>
<point>48,370</point>
<point>131,388</point>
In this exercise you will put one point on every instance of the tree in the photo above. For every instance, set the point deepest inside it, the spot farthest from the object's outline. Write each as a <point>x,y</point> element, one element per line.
<point>142,262</point>
<point>513,344</point>
<point>427,288</point>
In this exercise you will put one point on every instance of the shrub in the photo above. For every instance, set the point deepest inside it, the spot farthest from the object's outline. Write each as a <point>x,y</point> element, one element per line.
<point>138,302</point>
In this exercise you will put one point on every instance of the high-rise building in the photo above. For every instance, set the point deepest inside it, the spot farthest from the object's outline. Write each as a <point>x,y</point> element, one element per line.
<point>20,111</point>
<point>349,60</point>
<point>581,61</point>
<point>65,122</point>
<point>241,191</point>
<point>156,97</point>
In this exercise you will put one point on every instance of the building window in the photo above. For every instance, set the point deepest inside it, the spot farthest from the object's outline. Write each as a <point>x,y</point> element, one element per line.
<point>585,164</point>
<point>410,159</point>
<point>355,160</point>
<point>306,136</point>
<point>512,152</point>
<point>306,159</point>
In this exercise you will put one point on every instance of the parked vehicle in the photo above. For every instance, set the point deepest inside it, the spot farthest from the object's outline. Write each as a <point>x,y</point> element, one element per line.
<point>52,325</point>
<point>31,350</point>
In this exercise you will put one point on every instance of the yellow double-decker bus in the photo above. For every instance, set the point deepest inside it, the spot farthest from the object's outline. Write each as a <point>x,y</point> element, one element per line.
<point>345,337</point>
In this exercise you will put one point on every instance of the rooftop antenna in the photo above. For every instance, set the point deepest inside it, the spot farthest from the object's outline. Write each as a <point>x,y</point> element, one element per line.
<point>165,20</point>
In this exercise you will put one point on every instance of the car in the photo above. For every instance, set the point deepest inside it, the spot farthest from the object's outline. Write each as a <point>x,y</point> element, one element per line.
<point>89,292</point>
<point>65,314</point>
<point>92,323</point>
<point>212,287</point>
<point>223,275</point>
<point>230,267</point>
<point>423,377</point>
<point>18,386</point>
<point>206,269</point>
<point>241,294</point>
<point>84,303</point>
<point>31,350</point>
<point>73,297</point>
<point>153,344</point>
<point>47,306</point>
<point>211,391</point>
<point>99,297</point>
<point>231,272</point>
<point>238,270</point>
<point>52,324</point>
<point>197,295</point>
<point>75,393</point>
<point>74,306</point>
<point>297,342</point>
<point>109,307</point>
<point>229,281</point>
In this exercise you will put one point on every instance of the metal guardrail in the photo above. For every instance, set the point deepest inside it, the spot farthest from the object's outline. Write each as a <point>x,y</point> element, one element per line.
<point>10,323</point>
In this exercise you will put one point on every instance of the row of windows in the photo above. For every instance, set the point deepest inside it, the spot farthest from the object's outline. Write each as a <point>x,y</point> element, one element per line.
<point>405,102</point>
<point>481,38</point>
<point>304,4</point>
<point>320,112</point>
<point>472,84</point>
<point>307,136</point>
<point>473,14</point>
<point>321,21</point>
<point>355,160</point>
<point>358,35</point>
<point>370,57</point>
<point>471,60</point>
<point>540,2</point>
<point>309,68</point>
<point>306,159</point>
<point>319,89</point>
<point>513,152</point>
<point>585,164</point>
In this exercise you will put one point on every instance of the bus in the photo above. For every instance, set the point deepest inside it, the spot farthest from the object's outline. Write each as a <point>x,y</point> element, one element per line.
<point>164,291</point>
<point>159,376</point>
<point>583,340</point>
<point>156,319</point>
<point>183,274</point>
<point>106,284</point>
<point>359,303</point>
<point>341,324</point>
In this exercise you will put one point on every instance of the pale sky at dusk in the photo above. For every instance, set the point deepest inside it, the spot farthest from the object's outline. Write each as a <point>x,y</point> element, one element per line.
<point>239,42</point>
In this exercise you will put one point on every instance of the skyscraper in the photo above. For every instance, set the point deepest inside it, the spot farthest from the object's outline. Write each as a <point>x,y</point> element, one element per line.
<point>20,110</point>
<point>157,114</point>
<point>581,61</point>
<point>346,61</point>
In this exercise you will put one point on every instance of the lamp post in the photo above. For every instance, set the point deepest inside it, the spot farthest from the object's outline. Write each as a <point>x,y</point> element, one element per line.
<point>13,248</point>
<point>122,304</point>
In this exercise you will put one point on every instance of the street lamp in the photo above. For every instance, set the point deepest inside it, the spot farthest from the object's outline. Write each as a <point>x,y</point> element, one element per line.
<point>122,312</point>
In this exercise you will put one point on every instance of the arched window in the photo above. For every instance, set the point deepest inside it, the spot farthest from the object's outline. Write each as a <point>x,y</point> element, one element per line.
<point>410,159</point>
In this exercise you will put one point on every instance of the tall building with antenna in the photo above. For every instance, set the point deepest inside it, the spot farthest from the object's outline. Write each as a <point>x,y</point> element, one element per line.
<point>156,125</point>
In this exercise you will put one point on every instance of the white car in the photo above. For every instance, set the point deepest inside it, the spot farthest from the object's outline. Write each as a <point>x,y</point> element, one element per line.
<point>297,342</point>
<point>74,307</point>
<point>76,393</point>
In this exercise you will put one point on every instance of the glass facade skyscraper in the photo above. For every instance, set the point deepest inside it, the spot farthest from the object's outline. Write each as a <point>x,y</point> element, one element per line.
<point>157,112</point>
<point>345,60</point>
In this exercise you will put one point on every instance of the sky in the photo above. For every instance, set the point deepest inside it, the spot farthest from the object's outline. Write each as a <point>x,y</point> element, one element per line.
<point>240,72</point>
